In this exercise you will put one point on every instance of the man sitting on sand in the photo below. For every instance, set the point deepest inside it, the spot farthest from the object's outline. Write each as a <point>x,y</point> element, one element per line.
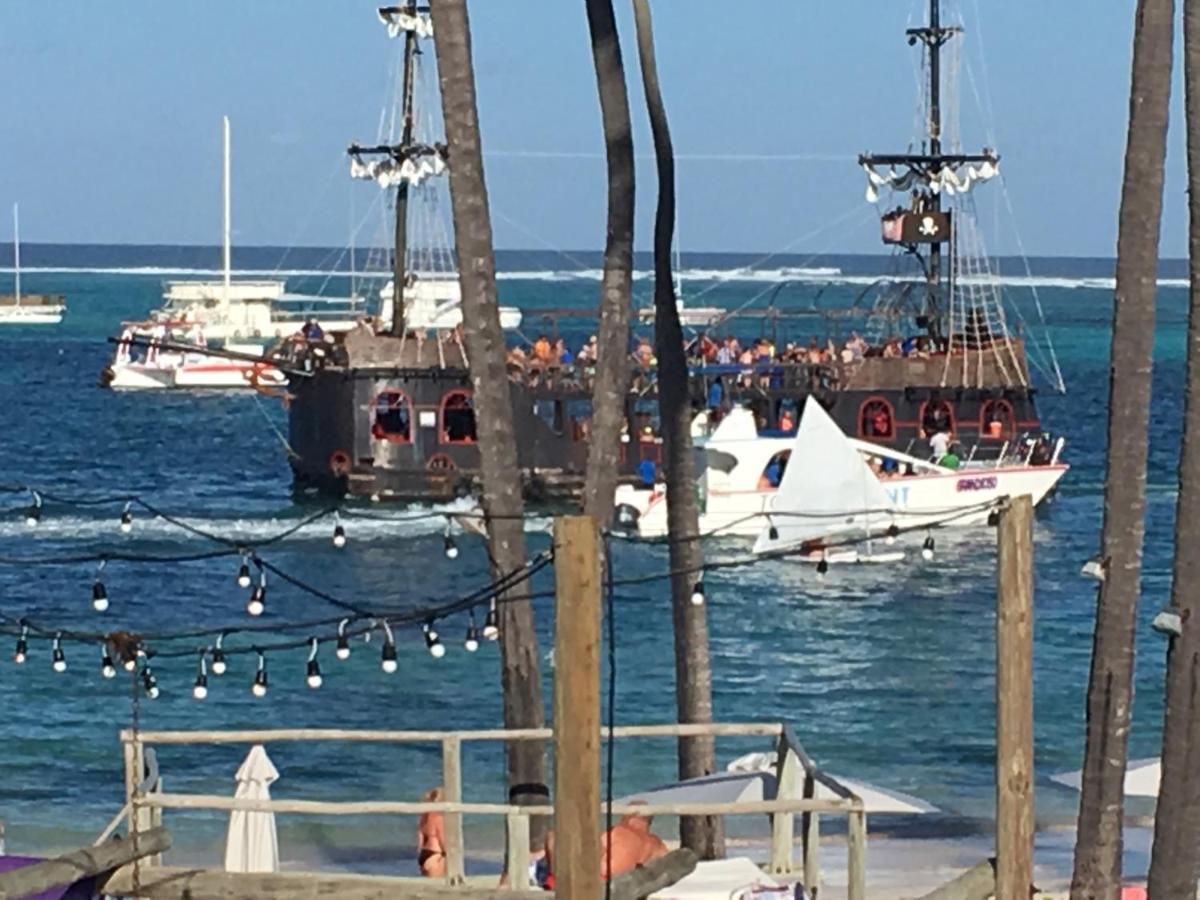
<point>629,844</point>
<point>431,839</point>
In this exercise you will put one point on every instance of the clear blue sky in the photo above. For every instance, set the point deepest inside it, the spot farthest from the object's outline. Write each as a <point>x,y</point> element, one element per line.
<point>112,117</point>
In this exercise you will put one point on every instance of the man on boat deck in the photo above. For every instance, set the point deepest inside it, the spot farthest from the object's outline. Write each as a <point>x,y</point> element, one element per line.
<point>940,443</point>
<point>312,331</point>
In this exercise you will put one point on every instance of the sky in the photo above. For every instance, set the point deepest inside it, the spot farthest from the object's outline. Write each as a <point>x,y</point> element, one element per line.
<point>113,112</point>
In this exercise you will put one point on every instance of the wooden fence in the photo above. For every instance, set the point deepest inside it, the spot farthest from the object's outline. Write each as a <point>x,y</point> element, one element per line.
<point>146,800</point>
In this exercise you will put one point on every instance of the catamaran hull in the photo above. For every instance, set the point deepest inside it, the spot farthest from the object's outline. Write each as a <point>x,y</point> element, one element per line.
<point>18,316</point>
<point>136,378</point>
<point>957,499</point>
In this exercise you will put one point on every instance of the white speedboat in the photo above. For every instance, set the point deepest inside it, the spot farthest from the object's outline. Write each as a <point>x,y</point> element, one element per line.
<point>161,361</point>
<point>28,309</point>
<point>819,485</point>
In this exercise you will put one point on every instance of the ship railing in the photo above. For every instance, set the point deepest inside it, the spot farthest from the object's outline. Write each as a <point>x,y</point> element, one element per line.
<point>797,779</point>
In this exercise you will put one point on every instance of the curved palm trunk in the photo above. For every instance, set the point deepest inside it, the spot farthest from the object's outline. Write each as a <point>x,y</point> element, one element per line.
<point>693,674</point>
<point>1175,860</point>
<point>612,368</point>
<point>1110,687</point>
<point>503,501</point>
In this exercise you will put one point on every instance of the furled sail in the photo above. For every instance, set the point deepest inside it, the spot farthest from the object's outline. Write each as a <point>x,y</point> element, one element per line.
<point>399,21</point>
<point>948,179</point>
<point>418,163</point>
<point>827,493</point>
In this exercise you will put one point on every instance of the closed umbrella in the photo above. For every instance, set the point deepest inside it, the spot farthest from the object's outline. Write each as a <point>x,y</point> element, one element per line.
<point>252,845</point>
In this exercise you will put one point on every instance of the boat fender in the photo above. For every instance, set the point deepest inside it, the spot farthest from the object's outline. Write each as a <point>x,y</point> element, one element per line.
<point>339,462</point>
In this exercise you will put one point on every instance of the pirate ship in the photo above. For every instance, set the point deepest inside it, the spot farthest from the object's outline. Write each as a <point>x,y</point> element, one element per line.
<point>387,410</point>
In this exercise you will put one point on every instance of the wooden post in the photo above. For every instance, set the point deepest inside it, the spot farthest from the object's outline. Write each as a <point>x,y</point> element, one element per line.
<point>516,853</point>
<point>1014,701</point>
<point>856,855</point>
<point>135,772</point>
<point>811,827</point>
<point>577,707</point>
<point>452,789</point>
<point>783,825</point>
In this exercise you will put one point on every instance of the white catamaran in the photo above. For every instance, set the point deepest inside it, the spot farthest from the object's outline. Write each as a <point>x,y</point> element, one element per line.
<point>28,309</point>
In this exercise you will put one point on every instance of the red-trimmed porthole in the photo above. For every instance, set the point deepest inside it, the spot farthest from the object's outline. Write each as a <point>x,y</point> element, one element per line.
<point>937,415</point>
<point>392,417</point>
<point>997,420</point>
<point>440,462</point>
<point>876,420</point>
<point>457,418</point>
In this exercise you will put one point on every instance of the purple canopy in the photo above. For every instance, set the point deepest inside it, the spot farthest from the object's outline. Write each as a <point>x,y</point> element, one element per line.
<point>84,889</point>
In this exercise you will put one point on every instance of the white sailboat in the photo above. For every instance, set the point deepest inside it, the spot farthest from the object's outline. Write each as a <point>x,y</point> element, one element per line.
<point>29,309</point>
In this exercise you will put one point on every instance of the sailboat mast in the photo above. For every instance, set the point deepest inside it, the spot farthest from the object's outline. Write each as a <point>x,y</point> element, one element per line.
<point>17,253</point>
<point>226,247</point>
<point>934,43</point>
<point>399,275</point>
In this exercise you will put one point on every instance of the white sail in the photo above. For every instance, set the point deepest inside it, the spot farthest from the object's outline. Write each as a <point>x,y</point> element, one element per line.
<point>827,492</point>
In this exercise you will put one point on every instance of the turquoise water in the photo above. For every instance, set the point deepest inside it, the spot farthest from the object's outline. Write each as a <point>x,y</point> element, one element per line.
<point>886,676</point>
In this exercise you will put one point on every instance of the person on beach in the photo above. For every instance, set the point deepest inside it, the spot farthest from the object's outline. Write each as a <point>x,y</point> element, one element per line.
<point>431,839</point>
<point>629,844</point>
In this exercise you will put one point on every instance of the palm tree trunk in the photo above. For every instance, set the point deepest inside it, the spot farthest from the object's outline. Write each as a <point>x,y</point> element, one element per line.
<point>1110,688</point>
<point>1175,859</point>
<point>612,369</point>
<point>693,673</point>
<point>520,677</point>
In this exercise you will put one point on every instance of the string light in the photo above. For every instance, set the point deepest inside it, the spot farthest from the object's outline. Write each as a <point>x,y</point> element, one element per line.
<point>33,514</point>
<point>339,533</point>
<point>432,642</point>
<point>200,688</point>
<point>58,657</point>
<point>149,683</point>
<point>698,594</point>
<point>342,650</point>
<point>257,604</point>
<point>243,576</point>
<point>127,518</point>
<point>387,661</point>
<point>130,664</point>
<point>927,548</point>
<point>259,688</point>
<point>218,657</point>
<point>22,651</point>
<point>314,668</point>
<point>472,640</point>
<point>99,594</point>
<point>107,669</point>
<point>448,542</point>
<point>491,625</point>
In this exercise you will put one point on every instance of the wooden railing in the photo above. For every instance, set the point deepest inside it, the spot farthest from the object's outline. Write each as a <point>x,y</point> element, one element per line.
<point>147,801</point>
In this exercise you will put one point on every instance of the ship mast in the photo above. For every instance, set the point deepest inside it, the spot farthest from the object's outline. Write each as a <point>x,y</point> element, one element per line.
<point>929,173</point>
<point>407,18</point>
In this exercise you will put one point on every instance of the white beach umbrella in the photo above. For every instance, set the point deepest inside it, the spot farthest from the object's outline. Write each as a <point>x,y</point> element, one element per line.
<point>1141,778</point>
<point>752,777</point>
<point>252,845</point>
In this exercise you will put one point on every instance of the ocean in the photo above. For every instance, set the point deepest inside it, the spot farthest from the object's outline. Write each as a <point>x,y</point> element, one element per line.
<point>886,676</point>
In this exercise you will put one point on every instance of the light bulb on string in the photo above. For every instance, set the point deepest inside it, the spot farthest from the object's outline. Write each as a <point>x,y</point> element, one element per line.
<point>450,547</point>
<point>127,518</point>
<point>243,575</point>
<point>22,651</point>
<point>387,660</point>
<point>491,625</point>
<point>259,688</point>
<point>339,533</point>
<point>200,688</point>
<point>59,659</point>
<point>257,604</point>
<point>342,651</point>
<point>471,643</point>
<point>927,548</point>
<point>433,643</point>
<point>314,668</point>
<point>130,663</point>
<point>33,514</point>
<point>149,683</point>
<point>218,657</point>
<point>99,593</point>
<point>698,594</point>
<point>107,669</point>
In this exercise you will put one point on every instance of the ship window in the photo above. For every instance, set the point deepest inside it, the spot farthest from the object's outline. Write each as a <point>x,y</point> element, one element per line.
<point>876,420</point>
<point>458,418</point>
<point>996,420</point>
<point>646,421</point>
<point>937,415</point>
<point>773,473</point>
<point>392,417</point>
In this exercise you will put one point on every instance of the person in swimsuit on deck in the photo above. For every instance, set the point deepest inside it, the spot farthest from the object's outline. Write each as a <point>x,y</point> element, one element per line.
<point>431,839</point>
